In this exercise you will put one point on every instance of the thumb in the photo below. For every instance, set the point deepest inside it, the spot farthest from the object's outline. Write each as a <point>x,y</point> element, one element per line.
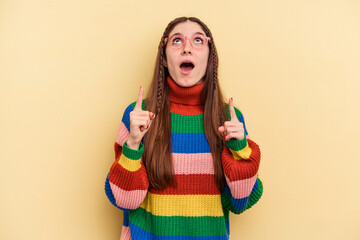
<point>221,129</point>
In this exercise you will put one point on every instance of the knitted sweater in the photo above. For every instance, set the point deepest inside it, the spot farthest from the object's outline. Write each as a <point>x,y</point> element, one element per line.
<point>194,209</point>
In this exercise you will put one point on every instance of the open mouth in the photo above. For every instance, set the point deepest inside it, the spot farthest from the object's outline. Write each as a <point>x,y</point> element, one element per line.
<point>186,67</point>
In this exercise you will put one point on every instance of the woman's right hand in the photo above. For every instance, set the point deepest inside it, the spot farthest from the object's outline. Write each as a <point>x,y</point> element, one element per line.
<point>140,122</point>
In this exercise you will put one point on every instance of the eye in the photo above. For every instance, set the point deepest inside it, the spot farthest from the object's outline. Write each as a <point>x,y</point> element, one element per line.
<point>176,40</point>
<point>198,40</point>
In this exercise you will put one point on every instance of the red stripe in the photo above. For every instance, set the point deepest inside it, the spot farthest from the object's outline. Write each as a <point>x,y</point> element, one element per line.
<point>191,184</point>
<point>241,169</point>
<point>127,180</point>
<point>186,109</point>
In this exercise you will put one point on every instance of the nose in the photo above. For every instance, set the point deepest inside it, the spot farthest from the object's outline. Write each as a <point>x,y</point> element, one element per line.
<point>187,46</point>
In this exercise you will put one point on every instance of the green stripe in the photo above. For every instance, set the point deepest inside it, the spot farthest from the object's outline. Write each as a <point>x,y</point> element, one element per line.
<point>226,202</point>
<point>237,112</point>
<point>176,225</point>
<point>256,195</point>
<point>143,107</point>
<point>187,124</point>
<point>236,145</point>
<point>131,153</point>
<point>226,214</point>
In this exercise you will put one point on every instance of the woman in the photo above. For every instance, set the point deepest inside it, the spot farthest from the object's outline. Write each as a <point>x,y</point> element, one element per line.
<point>183,159</point>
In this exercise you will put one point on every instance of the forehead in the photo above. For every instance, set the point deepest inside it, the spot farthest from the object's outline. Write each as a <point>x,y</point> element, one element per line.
<point>187,28</point>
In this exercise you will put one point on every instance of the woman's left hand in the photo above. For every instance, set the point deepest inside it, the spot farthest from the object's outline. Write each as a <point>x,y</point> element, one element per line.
<point>233,128</point>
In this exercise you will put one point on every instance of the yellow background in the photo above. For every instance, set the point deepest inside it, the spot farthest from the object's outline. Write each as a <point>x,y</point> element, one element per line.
<point>69,68</point>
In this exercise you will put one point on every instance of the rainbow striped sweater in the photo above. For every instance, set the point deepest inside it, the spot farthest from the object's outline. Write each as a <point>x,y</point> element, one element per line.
<point>194,209</point>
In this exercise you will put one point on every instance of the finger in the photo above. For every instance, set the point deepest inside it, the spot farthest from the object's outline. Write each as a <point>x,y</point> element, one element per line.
<point>234,130</point>
<point>232,110</point>
<point>151,120</point>
<point>228,124</point>
<point>137,122</point>
<point>151,115</point>
<point>139,100</point>
<point>144,127</point>
<point>237,136</point>
<point>221,129</point>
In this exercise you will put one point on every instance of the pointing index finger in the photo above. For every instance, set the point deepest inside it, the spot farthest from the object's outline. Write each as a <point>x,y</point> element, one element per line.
<point>139,99</point>
<point>232,110</point>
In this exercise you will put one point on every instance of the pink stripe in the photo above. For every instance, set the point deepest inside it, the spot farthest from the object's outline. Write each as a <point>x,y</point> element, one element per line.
<point>128,199</point>
<point>122,135</point>
<point>125,233</point>
<point>193,163</point>
<point>241,188</point>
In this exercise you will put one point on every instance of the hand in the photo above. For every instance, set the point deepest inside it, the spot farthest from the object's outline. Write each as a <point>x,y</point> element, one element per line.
<point>233,128</point>
<point>140,122</point>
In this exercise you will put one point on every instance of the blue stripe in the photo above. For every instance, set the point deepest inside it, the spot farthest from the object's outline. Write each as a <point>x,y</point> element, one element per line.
<point>227,227</point>
<point>238,204</point>
<point>110,195</point>
<point>189,143</point>
<point>126,219</point>
<point>255,187</point>
<point>126,116</point>
<point>241,119</point>
<point>140,234</point>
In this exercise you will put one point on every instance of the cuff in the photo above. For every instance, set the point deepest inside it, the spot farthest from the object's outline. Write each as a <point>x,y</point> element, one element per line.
<point>130,159</point>
<point>236,145</point>
<point>131,153</point>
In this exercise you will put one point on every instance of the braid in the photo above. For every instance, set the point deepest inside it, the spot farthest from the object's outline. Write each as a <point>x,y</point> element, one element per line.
<point>215,60</point>
<point>161,77</point>
<point>160,83</point>
<point>215,66</point>
<point>214,56</point>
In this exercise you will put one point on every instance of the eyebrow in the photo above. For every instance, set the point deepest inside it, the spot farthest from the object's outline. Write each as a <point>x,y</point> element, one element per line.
<point>193,34</point>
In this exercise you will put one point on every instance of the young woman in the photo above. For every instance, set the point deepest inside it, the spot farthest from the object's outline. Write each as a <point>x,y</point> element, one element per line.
<point>183,158</point>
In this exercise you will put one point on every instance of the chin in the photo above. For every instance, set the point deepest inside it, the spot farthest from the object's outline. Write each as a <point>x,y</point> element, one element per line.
<point>188,82</point>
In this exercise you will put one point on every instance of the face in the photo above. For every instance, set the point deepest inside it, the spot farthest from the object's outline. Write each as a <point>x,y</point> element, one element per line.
<point>187,63</point>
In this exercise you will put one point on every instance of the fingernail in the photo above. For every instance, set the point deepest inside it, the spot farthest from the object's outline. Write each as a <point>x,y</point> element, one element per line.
<point>147,126</point>
<point>224,137</point>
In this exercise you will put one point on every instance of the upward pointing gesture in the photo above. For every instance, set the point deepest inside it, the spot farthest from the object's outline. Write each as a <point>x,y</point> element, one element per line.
<point>140,122</point>
<point>233,128</point>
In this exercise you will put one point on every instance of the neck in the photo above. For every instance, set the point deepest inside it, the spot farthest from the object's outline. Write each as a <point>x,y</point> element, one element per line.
<point>185,100</point>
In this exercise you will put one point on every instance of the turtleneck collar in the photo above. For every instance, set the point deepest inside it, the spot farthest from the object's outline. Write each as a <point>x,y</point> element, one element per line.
<point>184,95</point>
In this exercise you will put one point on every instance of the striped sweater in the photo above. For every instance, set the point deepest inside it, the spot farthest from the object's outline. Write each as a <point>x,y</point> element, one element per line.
<point>194,209</point>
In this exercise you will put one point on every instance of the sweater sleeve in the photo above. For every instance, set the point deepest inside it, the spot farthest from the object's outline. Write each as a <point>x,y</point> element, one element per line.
<point>127,182</point>
<point>241,161</point>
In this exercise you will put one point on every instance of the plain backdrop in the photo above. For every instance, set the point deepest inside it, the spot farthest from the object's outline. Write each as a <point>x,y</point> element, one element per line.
<point>69,68</point>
